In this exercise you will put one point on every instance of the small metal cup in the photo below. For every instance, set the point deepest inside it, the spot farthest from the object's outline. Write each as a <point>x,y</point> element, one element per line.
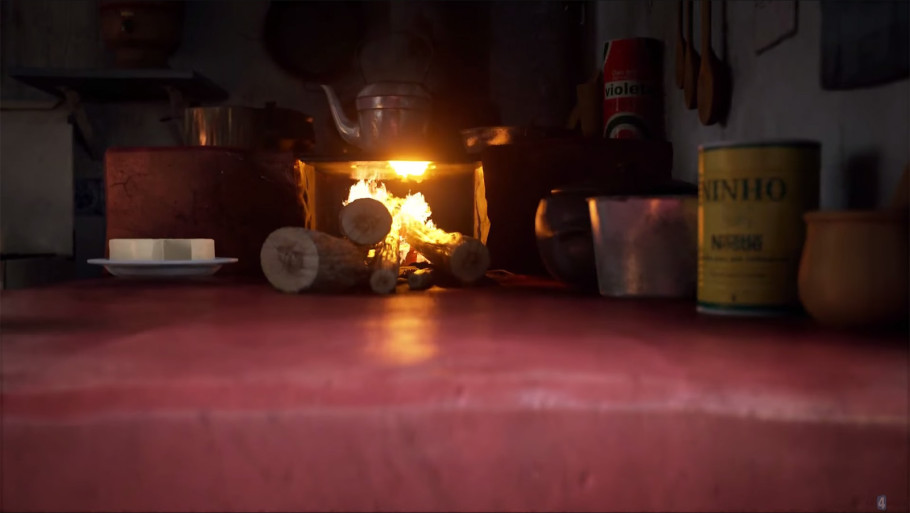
<point>645,246</point>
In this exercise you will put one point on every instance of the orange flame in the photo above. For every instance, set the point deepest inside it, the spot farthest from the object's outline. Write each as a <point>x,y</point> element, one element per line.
<point>413,208</point>
<point>406,168</point>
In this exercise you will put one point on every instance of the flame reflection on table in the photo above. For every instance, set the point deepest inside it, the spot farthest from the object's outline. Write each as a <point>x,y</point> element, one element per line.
<point>404,336</point>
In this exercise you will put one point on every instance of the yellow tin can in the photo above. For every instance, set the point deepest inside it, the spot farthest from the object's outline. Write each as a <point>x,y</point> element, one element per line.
<point>751,199</point>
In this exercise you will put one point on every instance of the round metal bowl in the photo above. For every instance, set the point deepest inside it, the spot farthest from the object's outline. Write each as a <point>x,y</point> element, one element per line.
<point>248,128</point>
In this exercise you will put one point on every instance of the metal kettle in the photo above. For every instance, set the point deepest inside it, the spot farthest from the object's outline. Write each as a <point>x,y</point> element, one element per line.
<point>390,114</point>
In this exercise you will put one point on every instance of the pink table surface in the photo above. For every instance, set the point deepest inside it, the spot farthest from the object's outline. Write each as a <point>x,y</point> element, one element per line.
<point>223,395</point>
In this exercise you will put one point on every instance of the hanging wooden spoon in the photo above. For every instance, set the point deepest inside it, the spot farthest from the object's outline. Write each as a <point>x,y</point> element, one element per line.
<point>690,79</point>
<point>680,47</point>
<point>712,90</point>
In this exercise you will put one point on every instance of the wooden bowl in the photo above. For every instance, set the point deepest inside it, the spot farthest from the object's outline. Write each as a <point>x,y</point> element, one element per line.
<point>854,267</point>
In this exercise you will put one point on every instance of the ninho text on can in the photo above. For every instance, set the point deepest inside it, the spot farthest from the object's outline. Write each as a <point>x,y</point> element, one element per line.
<point>633,89</point>
<point>751,199</point>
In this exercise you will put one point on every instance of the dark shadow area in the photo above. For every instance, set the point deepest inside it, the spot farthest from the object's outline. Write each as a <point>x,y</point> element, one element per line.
<point>861,179</point>
<point>292,30</point>
<point>460,77</point>
<point>725,73</point>
<point>864,44</point>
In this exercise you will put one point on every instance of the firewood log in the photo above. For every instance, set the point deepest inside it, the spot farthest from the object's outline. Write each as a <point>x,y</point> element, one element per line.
<point>405,270</point>
<point>384,276</point>
<point>365,221</point>
<point>296,259</point>
<point>420,279</point>
<point>465,258</point>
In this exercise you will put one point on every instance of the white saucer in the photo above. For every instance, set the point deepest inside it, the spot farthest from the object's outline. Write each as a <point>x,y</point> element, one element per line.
<point>162,268</point>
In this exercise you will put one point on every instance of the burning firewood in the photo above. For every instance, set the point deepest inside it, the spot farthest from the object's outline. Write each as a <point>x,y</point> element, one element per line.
<point>420,279</point>
<point>296,259</point>
<point>384,276</point>
<point>465,258</point>
<point>417,278</point>
<point>365,221</point>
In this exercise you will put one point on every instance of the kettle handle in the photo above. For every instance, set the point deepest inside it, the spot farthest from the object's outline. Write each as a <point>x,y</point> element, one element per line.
<point>414,36</point>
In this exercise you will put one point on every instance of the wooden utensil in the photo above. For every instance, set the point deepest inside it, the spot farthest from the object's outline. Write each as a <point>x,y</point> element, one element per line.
<point>590,106</point>
<point>712,89</point>
<point>680,48</point>
<point>690,78</point>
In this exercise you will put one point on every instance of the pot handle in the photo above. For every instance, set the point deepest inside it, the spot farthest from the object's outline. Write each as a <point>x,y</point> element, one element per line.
<point>413,36</point>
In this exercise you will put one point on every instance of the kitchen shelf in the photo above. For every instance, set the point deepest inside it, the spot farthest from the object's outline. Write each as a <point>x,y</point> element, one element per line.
<point>74,87</point>
<point>121,85</point>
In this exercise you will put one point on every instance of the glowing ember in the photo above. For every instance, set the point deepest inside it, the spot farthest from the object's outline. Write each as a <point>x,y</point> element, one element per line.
<point>411,209</point>
<point>406,168</point>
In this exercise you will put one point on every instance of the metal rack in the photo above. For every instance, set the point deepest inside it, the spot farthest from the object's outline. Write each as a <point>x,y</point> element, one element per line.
<point>73,87</point>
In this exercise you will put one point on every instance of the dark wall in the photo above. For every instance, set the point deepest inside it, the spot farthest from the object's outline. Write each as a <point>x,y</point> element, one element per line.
<point>503,62</point>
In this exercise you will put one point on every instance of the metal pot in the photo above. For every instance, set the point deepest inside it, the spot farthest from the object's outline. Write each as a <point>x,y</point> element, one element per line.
<point>645,246</point>
<point>249,128</point>
<point>563,228</point>
<point>392,115</point>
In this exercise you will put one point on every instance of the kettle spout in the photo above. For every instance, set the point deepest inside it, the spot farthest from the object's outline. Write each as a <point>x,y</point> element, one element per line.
<point>350,132</point>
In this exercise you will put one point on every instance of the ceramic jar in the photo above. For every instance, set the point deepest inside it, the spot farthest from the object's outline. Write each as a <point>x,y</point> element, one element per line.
<point>854,267</point>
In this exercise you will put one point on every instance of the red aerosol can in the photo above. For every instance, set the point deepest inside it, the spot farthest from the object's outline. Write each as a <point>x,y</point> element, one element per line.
<point>633,89</point>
